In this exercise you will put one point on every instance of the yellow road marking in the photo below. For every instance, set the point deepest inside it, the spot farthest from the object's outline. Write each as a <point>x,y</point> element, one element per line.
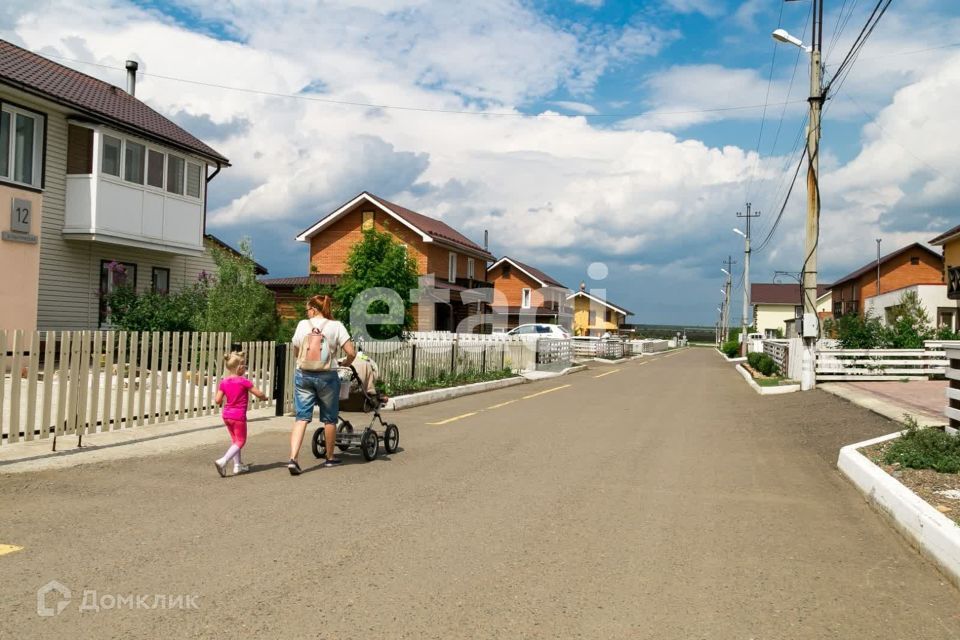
<point>8,548</point>
<point>534,395</point>
<point>607,373</point>
<point>502,404</point>
<point>454,419</point>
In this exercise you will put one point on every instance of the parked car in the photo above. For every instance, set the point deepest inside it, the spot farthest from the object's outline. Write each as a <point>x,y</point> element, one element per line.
<point>538,330</point>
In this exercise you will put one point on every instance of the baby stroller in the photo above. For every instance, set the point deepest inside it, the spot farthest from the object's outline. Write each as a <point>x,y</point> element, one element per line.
<point>358,394</point>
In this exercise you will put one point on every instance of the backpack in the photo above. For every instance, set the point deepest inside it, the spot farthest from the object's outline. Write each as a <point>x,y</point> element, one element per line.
<point>315,352</point>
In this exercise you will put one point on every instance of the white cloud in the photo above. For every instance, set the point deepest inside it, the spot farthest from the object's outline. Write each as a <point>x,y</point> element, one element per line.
<point>709,8</point>
<point>576,107</point>
<point>596,4</point>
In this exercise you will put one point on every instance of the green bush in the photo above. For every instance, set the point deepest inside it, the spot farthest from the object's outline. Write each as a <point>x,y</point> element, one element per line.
<point>236,302</point>
<point>925,449</point>
<point>766,365</point>
<point>153,311</point>
<point>753,359</point>
<point>731,348</point>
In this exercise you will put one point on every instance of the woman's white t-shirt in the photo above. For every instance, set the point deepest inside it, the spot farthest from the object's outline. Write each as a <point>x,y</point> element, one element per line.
<point>333,332</point>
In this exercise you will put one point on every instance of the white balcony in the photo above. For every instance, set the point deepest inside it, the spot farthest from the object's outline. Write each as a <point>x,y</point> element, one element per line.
<point>119,209</point>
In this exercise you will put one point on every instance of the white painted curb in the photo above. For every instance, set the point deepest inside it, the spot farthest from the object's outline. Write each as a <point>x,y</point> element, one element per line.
<point>544,375</point>
<point>933,534</point>
<point>730,359</point>
<point>438,395</point>
<point>766,391</point>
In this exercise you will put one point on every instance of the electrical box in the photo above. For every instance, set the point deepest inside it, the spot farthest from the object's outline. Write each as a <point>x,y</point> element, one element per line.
<point>811,326</point>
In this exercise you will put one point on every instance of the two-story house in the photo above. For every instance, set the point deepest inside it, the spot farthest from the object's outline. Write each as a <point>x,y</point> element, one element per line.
<point>915,268</point>
<point>594,316</point>
<point>450,264</point>
<point>948,313</point>
<point>102,189</point>
<point>524,294</point>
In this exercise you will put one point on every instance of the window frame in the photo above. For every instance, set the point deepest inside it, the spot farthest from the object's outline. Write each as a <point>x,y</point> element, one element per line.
<point>106,285</point>
<point>149,147</point>
<point>452,267</point>
<point>526,298</point>
<point>471,269</point>
<point>39,118</point>
<point>153,280</point>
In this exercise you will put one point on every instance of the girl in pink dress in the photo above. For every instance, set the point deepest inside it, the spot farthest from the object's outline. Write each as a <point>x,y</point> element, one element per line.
<point>235,388</point>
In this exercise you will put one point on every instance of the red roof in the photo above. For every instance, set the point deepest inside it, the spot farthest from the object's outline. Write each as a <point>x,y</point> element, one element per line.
<point>776,293</point>
<point>431,226</point>
<point>536,273</point>
<point>40,76</point>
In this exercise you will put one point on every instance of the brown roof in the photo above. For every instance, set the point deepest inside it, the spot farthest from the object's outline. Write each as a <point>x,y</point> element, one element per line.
<point>536,273</point>
<point>300,281</point>
<point>776,293</point>
<point>40,76</point>
<point>431,226</point>
<point>946,235</point>
<point>873,263</point>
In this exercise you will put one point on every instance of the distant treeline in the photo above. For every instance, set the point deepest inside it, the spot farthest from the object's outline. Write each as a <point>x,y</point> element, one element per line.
<point>694,334</point>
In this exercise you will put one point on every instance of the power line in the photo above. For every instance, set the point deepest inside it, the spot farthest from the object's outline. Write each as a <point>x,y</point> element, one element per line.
<point>370,105</point>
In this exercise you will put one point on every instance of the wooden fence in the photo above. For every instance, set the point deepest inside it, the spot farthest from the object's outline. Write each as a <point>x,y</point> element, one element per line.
<point>881,364</point>
<point>84,382</point>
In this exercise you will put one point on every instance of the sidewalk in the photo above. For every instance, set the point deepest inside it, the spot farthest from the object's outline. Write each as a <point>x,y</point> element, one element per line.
<point>115,445</point>
<point>923,400</point>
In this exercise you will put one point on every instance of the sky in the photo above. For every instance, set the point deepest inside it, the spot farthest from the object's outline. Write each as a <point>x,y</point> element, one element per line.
<point>576,132</point>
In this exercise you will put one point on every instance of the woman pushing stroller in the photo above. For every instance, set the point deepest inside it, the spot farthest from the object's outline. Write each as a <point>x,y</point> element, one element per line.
<point>316,343</point>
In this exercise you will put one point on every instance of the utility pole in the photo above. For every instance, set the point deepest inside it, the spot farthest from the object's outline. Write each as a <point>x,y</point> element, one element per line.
<point>726,297</point>
<point>878,268</point>
<point>746,277</point>
<point>811,328</point>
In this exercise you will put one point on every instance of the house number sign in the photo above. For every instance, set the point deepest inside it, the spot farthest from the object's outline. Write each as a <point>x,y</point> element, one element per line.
<point>21,216</point>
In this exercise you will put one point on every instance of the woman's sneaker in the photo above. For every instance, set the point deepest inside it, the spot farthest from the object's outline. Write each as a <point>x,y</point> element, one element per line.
<point>240,468</point>
<point>293,467</point>
<point>332,462</point>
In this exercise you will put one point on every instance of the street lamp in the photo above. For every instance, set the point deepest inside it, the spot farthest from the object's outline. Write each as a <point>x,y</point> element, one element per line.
<point>782,35</point>
<point>735,230</point>
<point>726,272</point>
<point>810,328</point>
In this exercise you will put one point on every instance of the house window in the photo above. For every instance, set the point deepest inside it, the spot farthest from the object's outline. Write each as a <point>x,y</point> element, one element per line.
<point>915,260</point>
<point>471,269</point>
<point>175,174</point>
<point>110,157</point>
<point>113,275</point>
<point>946,318</point>
<point>193,180</point>
<point>155,168</point>
<point>609,315</point>
<point>798,311</point>
<point>525,298</point>
<point>837,309</point>
<point>21,146</point>
<point>367,223</point>
<point>452,267</point>
<point>505,270</point>
<point>160,280</point>
<point>134,156</point>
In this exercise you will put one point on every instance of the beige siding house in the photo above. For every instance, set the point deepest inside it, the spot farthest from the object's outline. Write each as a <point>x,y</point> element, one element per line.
<point>120,190</point>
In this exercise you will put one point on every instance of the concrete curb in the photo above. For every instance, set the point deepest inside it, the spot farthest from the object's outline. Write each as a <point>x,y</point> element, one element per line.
<point>766,391</point>
<point>880,406</point>
<point>544,375</point>
<point>933,534</point>
<point>439,395</point>
<point>730,359</point>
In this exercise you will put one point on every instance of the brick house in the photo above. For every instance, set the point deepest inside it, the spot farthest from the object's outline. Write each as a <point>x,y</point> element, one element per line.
<point>948,315</point>
<point>524,294</point>
<point>594,316</point>
<point>450,265</point>
<point>914,267</point>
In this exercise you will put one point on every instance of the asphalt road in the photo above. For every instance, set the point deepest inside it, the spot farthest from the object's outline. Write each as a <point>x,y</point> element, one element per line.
<point>659,498</point>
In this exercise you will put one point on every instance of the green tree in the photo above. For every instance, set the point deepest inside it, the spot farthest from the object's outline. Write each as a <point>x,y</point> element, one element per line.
<point>860,332</point>
<point>377,261</point>
<point>236,302</point>
<point>910,324</point>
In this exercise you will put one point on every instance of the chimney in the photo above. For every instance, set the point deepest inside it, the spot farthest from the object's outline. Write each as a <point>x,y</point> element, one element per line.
<point>486,240</point>
<point>132,67</point>
<point>583,286</point>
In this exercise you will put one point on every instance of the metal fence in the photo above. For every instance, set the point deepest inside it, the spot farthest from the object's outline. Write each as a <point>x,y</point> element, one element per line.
<point>81,382</point>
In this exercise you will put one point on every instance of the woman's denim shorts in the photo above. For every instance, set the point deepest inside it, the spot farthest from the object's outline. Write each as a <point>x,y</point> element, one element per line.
<point>317,388</point>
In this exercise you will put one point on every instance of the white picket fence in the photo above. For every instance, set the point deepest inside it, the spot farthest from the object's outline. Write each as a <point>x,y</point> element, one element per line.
<point>882,364</point>
<point>83,382</point>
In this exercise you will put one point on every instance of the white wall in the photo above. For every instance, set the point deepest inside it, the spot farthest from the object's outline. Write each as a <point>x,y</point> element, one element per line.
<point>773,316</point>
<point>932,296</point>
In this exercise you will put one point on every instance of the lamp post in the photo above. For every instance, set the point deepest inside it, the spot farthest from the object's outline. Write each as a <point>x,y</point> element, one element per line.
<point>746,274</point>
<point>810,324</point>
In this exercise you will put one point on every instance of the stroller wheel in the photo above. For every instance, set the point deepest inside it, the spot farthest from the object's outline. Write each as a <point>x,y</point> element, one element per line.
<point>369,444</point>
<point>319,443</point>
<point>344,428</point>
<point>391,438</point>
